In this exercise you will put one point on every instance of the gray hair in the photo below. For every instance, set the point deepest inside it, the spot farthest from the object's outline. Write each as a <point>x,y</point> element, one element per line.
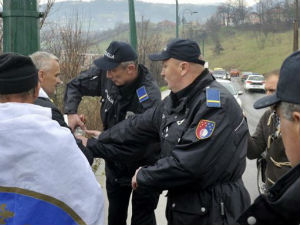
<point>287,110</point>
<point>42,60</point>
<point>125,64</point>
<point>22,95</point>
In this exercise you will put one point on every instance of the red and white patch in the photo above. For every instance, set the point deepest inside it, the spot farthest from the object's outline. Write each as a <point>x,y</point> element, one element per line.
<point>205,129</point>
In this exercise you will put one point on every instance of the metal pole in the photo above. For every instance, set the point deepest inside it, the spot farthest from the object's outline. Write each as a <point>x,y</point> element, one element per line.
<point>132,23</point>
<point>296,27</point>
<point>21,31</point>
<point>203,47</point>
<point>177,20</point>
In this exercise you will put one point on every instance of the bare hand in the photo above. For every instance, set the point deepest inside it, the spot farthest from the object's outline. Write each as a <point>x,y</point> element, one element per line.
<point>134,184</point>
<point>83,139</point>
<point>94,133</point>
<point>74,120</point>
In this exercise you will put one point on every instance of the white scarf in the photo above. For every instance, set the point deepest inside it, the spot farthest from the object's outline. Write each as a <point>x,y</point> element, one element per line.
<point>36,154</point>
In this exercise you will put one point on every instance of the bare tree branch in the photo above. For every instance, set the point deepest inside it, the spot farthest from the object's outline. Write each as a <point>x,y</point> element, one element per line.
<point>49,5</point>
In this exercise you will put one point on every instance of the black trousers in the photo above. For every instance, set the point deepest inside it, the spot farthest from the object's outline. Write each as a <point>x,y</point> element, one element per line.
<point>144,203</point>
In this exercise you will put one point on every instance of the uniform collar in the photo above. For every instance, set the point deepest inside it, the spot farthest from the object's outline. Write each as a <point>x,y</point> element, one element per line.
<point>43,94</point>
<point>130,88</point>
<point>179,99</point>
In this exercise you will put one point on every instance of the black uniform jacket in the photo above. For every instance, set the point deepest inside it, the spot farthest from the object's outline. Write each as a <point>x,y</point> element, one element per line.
<point>202,169</point>
<point>58,116</point>
<point>280,206</point>
<point>267,137</point>
<point>118,103</point>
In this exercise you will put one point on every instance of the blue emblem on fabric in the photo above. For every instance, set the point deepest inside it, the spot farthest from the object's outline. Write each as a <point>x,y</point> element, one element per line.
<point>18,208</point>
<point>142,94</point>
<point>213,98</point>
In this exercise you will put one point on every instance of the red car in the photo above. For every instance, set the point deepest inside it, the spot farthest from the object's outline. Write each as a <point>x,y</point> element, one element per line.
<point>234,73</point>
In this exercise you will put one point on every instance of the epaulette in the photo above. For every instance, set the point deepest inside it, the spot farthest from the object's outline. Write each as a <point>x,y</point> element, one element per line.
<point>142,94</point>
<point>213,98</point>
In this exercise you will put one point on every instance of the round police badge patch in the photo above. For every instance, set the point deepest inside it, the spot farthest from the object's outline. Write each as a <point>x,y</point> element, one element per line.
<point>205,129</point>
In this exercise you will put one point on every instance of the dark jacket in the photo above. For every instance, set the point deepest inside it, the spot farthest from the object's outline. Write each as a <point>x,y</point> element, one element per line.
<point>118,103</point>
<point>58,116</point>
<point>268,138</point>
<point>201,168</point>
<point>280,206</point>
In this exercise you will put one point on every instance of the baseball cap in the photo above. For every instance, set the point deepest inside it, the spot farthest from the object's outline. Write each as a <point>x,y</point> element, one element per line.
<point>116,53</point>
<point>181,49</point>
<point>17,73</point>
<point>288,87</point>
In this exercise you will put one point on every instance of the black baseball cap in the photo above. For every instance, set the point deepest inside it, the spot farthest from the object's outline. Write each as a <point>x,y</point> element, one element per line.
<point>181,49</point>
<point>116,53</point>
<point>288,87</point>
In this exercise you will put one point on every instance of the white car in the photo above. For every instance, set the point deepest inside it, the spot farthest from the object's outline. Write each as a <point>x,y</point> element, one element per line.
<point>228,85</point>
<point>255,82</point>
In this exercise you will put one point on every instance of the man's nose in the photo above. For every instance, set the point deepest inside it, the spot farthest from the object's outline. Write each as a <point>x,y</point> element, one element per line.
<point>108,74</point>
<point>59,81</point>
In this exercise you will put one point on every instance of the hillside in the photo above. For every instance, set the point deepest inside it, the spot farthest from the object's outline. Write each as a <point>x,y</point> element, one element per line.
<point>105,14</point>
<point>250,51</point>
<point>245,50</point>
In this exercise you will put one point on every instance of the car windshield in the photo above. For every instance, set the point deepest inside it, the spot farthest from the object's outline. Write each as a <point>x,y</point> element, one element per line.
<point>219,72</point>
<point>229,87</point>
<point>258,78</point>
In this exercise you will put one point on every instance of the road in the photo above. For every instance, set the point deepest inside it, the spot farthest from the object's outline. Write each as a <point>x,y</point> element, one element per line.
<point>249,176</point>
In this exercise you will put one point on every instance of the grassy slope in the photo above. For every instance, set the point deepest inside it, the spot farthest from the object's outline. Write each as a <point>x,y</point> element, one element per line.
<point>244,50</point>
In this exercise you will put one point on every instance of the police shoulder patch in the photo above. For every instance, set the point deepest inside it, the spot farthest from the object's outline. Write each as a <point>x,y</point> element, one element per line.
<point>213,98</point>
<point>205,129</point>
<point>142,94</point>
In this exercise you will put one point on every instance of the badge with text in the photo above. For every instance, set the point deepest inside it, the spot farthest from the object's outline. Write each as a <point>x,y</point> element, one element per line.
<point>205,129</point>
<point>142,94</point>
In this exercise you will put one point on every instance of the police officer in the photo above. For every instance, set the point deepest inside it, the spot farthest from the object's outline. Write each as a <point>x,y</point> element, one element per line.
<point>126,88</point>
<point>203,136</point>
<point>282,203</point>
<point>267,141</point>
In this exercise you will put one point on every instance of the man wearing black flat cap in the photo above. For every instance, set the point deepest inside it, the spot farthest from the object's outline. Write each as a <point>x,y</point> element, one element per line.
<point>281,204</point>
<point>127,88</point>
<point>202,134</point>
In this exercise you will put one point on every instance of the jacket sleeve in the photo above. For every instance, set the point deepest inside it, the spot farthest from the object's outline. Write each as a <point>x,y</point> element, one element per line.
<point>257,142</point>
<point>126,140</point>
<point>56,115</point>
<point>88,83</point>
<point>201,161</point>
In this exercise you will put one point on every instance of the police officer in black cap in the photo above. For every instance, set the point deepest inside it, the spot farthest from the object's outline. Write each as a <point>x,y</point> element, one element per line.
<point>203,136</point>
<point>127,88</point>
<point>281,205</point>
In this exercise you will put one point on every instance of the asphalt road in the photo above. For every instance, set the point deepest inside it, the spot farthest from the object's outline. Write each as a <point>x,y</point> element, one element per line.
<point>249,176</point>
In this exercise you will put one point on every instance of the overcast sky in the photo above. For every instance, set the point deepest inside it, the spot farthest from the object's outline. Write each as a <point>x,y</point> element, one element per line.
<point>249,2</point>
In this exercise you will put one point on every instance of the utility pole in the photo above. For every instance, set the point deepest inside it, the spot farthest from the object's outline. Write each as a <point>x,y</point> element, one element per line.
<point>296,27</point>
<point>21,33</point>
<point>132,23</point>
<point>177,20</point>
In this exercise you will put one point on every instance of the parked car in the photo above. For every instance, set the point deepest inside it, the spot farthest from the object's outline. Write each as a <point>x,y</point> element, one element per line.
<point>234,73</point>
<point>228,85</point>
<point>221,74</point>
<point>244,75</point>
<point>255,82</point>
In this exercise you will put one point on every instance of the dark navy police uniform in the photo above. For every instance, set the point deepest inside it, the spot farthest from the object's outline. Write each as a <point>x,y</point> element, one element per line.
<point>203,136</point>
<point>119,103</point>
